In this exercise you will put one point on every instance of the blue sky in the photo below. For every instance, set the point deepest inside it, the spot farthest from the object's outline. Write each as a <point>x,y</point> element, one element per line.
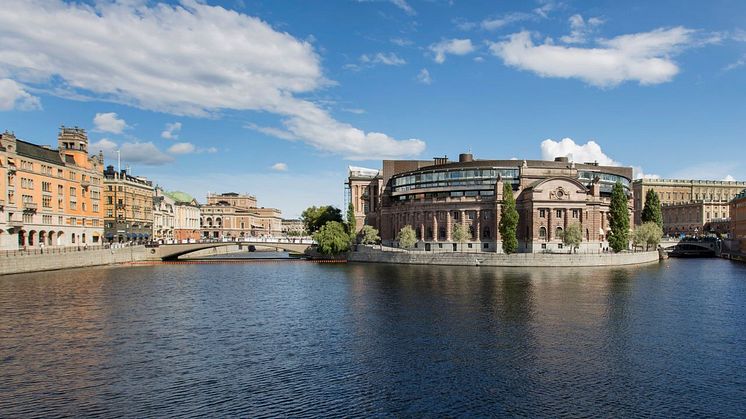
<point>277,98</point>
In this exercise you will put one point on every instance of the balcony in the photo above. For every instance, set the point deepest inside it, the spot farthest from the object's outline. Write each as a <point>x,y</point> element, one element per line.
<point>15,223</point>
<point>85,184</point>
<point>30,207</point>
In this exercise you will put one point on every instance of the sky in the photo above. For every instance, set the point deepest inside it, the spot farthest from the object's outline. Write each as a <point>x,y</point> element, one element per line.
<point>276,98</point>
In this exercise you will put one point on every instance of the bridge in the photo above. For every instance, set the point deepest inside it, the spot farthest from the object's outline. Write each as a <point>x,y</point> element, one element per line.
<point>173,251</point>
<point>692,247</point>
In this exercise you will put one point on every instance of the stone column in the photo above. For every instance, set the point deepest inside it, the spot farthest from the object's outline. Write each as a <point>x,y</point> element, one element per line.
<point>435,226</point>
<point>422,226</point>
<point>550,227</point>
<point>449,225</point>
<point>478,228</point>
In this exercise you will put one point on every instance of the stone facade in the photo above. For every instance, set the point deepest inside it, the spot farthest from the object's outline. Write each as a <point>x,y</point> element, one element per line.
<point>163,217</point>
<point>550,196</point>
<point>49,197</point>
<point>694,218</point>
<point>128,207</point>
<point>363,190</point>
<point>293,227</point>
<point>738,222</point>
<point>186,221</point>
<point>231,216</point>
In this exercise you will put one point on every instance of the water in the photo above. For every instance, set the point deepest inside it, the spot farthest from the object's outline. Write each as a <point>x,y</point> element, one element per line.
<point>299,339</point>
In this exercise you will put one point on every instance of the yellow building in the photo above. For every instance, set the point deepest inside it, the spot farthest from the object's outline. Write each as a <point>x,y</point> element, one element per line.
<point>232,216</point>
<point>50,197</point>
<point>128,202</point>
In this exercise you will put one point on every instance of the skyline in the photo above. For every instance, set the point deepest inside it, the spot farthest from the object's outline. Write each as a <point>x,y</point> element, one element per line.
<point>193,99</point>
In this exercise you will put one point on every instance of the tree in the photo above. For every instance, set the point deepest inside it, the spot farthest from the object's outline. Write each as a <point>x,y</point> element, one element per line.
<point>332,238</point>
<point>351,222</point>
<point>508,220</point>
<point>572,236</point>
<point>369,235</point>
<point>315,217</point>
<point>460,234</point>
<point>406,237</point>
<point>648,234</point>
<point>618,219</point>
<point>652,211</point>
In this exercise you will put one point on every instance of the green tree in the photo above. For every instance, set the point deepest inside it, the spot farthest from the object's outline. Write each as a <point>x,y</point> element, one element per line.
<point>315,217</point>
<point>648,235</point>
<point>406,237</point>
<point>508,220</point>
<point>618,219</point>
<point>652,211</point>
<point>351,221</point>
<point>369,235</point>
<point>572,236</point>
<point>332,238</point>
<point>460,234</point>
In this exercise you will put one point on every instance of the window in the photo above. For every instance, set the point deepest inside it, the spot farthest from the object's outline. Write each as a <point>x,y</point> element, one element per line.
<point>59,172</point>
<point>559,213</point>
<point>486,246</point>
<point>46,186</point>
<point>73,192</point>
<point>558,232</point>
<point>542,233</point>
<point>46,219</point>
<point>575,213</point>
<point>559,246</point>
<point>542,213</point>
<point>46,201</point>
<point>95,207</point>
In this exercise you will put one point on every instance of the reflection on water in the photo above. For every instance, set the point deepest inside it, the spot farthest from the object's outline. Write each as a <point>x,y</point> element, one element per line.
<point>301,339</point>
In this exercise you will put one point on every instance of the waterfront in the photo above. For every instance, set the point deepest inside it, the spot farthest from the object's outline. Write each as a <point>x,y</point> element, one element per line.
<point>303,339</point>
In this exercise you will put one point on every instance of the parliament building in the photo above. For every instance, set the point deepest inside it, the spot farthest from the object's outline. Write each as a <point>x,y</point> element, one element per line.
<point>432,196</point>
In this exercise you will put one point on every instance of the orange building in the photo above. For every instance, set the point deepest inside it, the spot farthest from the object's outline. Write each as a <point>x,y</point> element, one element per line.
<point>50,197</point>
<point>738,222</point>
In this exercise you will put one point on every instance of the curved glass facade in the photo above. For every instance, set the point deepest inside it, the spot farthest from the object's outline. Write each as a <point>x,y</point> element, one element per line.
<point>452,179</point>
<point>606,180</point>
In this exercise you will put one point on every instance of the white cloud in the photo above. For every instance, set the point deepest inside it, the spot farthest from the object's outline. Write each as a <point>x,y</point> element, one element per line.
<point>734,65</point>
<point>729,178</point>
<point>580,29</point>
<point>356,111</point>
<point>644,57</point>
<point>382,58</point>
<point>171,132</point>
<point>451,46</point>
<point>424,77</point>
<point>182,148</point>
<point>546,7</point>
<point>579,153</point>
<point>497,23</point>
<point>638,173</point>
<point>14,96</point>
<point>280,167</point>
<point>134,152</point>
<point>186,59</point>
<point>402,42</point>
<point>109,122</point>
<point>402,4</point>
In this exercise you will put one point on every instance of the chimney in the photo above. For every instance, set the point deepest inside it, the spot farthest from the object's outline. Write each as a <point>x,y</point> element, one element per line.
<point>465,158</point>
<point>561,159</point>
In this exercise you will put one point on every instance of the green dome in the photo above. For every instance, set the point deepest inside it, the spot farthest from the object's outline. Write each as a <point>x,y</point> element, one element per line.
<point>179,196</point>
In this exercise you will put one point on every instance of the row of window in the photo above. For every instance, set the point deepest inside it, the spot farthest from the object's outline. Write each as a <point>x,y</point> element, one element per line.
<point>559,213</point>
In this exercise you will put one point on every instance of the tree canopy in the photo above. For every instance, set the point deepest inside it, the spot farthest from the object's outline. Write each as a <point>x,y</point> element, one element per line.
<point>315,217</point>
<point>369,235</point>
<point>460,233</point>
<point>618,219</point>
<point>652,211</point>
<point>648,235</point>
<point>572,236</point>
<point>351,222</point>
<point>406,237</point>
<point>332,238</point>
<point>508,220</point>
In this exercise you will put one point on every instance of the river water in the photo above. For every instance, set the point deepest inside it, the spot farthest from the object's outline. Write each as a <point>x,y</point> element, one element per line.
<point>294,338</point>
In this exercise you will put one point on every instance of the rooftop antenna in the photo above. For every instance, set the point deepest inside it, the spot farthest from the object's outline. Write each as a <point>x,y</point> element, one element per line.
<point>119,162</point>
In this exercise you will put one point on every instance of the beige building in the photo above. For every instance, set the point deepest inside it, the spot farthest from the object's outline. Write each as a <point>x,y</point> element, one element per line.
<point>688,206</point>
<point>433,196</point>
<point>363,191</point>
<point>49,197</point>
<point>128,205</point>
<point>231,216</point>
<point>163,216</point>
<point>293,227</point>
<point>186,217</point>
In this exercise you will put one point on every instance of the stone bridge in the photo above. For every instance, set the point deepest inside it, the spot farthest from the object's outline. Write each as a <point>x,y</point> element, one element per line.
<point>173,251</point>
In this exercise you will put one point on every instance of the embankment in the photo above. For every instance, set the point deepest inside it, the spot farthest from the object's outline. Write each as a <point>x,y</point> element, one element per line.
<point>372,255</point>
<point>53,259</point>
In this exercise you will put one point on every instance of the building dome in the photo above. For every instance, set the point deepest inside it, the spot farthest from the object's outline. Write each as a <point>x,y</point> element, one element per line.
<point>179,196</point>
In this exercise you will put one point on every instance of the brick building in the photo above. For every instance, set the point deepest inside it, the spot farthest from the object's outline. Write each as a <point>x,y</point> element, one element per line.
<point>232,216</point>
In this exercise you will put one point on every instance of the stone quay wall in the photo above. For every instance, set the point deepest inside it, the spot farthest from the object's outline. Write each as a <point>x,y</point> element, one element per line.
<point>14,263</point>
<point>375,255</point>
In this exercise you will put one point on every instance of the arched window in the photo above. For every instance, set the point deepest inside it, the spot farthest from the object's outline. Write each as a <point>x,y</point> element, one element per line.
<point>558,232</point>
<point>543,233</point>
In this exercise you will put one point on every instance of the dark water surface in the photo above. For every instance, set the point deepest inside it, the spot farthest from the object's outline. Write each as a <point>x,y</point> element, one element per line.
<point>302,339</point>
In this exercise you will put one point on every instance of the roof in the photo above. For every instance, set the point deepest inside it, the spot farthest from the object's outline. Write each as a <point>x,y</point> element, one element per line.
<point>179,196</point>
<point>617,170</point>
<point>38,152</point>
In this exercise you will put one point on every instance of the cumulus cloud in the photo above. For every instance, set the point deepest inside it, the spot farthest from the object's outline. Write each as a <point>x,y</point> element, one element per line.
<point>182,148</point>
<point>185,59</point>
<point>280,167</point>
<point>579,153</point>
<point>132,152</point>
<point>14,96</point>
<point>109,122</point>
<point>402,4</point>
<point>729,178</point>
<point>171,132</point>
<point>643,57</point>
<point>451,46</point>
<point>580,29</point>
<point>424,77</point>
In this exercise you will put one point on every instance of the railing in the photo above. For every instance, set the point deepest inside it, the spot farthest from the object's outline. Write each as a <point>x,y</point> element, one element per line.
<point>52,250</point>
